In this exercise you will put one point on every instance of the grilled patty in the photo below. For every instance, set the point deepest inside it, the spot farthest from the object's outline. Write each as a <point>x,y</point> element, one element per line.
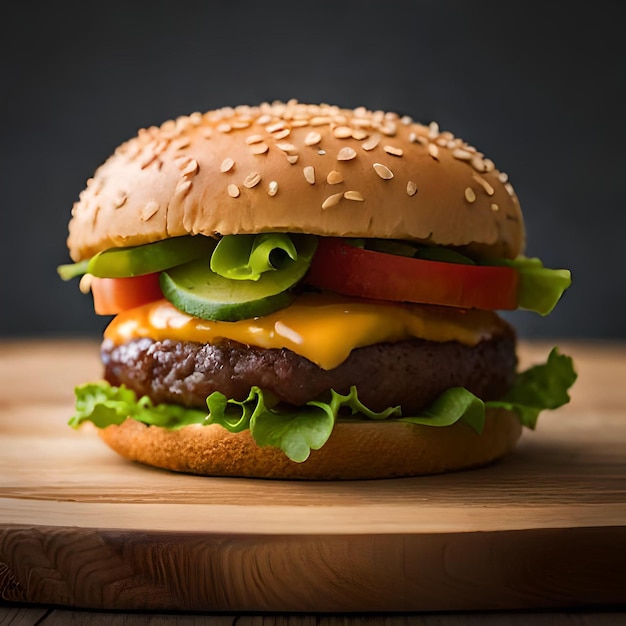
<point>409,373</point>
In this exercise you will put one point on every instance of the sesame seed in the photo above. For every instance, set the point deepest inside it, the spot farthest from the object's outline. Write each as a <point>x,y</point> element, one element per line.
<point>433,130</point>
<point>183,187</point>
<point>233,191</point>
<point>359,134</point>
<point>182,161</point>
<point>206,132</point>
<point>224,127</point>
<point>353,195</point>
<point>292,158</point>
<point>161,146</point>
<point>272,188</point>
<point>191,168</point>
<point>149,210</point>
<point>383,171</point>
<point>227,165</point>
<point>361,123</point>
<point>484,184</point>
<point>470,196</point>
<point>332,201</point>
<point>120,199</point>
<point>489,165</point>
<point>254,139</point>
<point>286,147</point>
<point>309,174</point>
<point>84,284</point>
<point>148,160</point>
<point>272,128</point>
<point>334,177</point>
<point>393,150</point>
<point>346,154</point>
<point>478,164</point>
<point>252,179</point>
<point>168,127</point>
<point>132,150</point>
<point>240,124</point>
<point>433,150</point>
<point>371,143</point>
<point>509,189</point>
<point>502,177</point>
<point>342,132</point>
<point>495,207</point>
<point>462,155</point>
<point>411,188</point>
<point>320,120</point>
<point>312,138</point>
<point>259,148</point>
<point>281,134</point>
<point>181,143</point>
<point>389,129</point>
<point>406,120</point>
<point>321,152</point>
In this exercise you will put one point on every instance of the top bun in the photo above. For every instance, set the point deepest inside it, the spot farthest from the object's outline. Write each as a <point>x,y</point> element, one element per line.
<point>295,167</point>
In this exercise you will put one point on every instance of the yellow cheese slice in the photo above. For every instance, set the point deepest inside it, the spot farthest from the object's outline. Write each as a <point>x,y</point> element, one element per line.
<point>324,328</point>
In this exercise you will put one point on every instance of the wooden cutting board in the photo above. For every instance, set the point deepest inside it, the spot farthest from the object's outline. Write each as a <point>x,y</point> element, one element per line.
<point>80,526</point>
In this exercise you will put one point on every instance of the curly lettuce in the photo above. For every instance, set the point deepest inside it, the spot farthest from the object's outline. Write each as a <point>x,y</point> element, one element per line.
<point>298,430</point>
<point>248,257</point>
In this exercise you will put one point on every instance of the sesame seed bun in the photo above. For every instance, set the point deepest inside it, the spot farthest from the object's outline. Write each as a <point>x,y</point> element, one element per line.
<point>298,168</point>
<point>359,450</point>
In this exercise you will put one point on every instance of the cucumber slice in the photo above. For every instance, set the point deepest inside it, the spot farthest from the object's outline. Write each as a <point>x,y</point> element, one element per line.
<point>151,257</point>
<point>197,290</point>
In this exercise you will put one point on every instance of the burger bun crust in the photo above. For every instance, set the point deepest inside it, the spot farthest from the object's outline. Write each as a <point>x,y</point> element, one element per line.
<point>355,450</point>
<point>292,167</point>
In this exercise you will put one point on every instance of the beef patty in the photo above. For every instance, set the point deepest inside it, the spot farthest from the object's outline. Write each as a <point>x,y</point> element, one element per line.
<point>409,373</point>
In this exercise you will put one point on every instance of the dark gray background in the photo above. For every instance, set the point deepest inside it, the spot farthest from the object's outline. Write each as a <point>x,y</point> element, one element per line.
<point>538,86</point>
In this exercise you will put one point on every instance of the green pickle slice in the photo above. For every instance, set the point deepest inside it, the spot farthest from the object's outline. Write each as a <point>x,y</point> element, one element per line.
<point>197,290</point>
<point>151,257</point>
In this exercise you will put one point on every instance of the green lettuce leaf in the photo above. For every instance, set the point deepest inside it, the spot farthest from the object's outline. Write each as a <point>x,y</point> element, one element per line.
<point>539,288</point>
<point>298,430</point>
<point>541,387</point>
<point>103,404</point>
<point>451,406</point>
<point>295,430</point>
<point>247,257</point>
<point>72,270</point>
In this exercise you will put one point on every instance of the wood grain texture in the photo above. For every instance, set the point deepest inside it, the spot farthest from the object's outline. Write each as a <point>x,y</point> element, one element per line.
<point>81,527</point>
<point>20,616</point>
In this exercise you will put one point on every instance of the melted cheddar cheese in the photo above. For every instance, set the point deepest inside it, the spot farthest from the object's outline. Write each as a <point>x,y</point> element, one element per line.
<point>323,328</point>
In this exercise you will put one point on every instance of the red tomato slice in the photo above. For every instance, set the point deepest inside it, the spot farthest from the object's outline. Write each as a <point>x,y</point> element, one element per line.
<point>338,266</point>
<point>113,295</point>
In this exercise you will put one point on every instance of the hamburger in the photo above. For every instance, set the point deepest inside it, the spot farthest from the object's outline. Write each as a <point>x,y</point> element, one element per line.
<point>309,292</point>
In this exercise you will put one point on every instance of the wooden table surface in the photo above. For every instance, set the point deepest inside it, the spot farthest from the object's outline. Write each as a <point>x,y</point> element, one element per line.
<point>82,530</point>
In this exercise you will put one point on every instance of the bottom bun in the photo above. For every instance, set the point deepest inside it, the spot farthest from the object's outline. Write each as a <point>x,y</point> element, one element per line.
<point>355,450</point>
